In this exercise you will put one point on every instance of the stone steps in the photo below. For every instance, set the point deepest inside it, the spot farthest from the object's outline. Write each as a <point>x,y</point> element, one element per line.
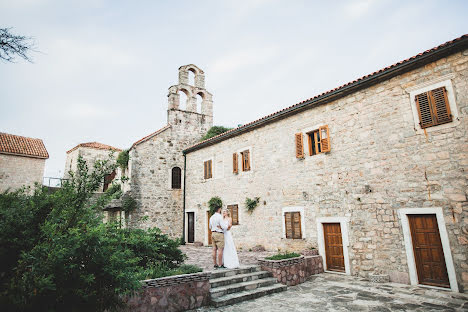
<point>245,283</point>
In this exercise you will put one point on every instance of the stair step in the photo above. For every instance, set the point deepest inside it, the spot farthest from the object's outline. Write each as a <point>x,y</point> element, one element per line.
<point>238,287</point>
<point>227,280</point>
<point>247,295</point>
<point>230,272</point>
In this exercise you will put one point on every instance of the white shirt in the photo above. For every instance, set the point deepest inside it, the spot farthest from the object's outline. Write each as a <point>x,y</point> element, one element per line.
<point>215,220</point>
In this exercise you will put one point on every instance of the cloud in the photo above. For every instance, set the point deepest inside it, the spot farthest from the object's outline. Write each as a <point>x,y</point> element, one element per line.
<point>359,8</point>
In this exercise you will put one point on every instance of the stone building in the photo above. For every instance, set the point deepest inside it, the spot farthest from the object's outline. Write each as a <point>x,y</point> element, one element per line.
<point>22,161</point>
<point>372,173</point>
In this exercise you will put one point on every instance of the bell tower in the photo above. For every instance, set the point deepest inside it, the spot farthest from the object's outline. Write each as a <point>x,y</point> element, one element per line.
<point>189,116</point>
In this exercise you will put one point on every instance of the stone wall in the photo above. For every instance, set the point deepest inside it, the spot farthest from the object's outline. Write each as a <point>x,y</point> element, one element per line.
<point>18,171</point>
<point>173,293</point>
<point>379,163</point>
<point>295,270</point>
<point>90,155</point>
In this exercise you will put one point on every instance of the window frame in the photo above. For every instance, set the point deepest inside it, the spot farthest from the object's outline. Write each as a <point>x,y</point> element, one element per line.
<point>237,205</point>
<point>239,158</point>
<point>205,176</point>
<point>302,215</point>
<point>244,163</point>
<point>172,178</point>
<point>444,81</point>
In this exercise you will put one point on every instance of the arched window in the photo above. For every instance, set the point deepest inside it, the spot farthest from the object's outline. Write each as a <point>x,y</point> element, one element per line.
<point>176,178</point>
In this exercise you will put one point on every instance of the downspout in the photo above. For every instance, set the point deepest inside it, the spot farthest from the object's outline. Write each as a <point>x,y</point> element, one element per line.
<point>183,202</point>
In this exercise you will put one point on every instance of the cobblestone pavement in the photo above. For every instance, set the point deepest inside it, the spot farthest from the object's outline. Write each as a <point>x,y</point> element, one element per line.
<point>201,256</point>
<point>334,292</point>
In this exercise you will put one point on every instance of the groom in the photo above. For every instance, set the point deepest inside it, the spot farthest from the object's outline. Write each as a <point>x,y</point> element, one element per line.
<point>217,237</point>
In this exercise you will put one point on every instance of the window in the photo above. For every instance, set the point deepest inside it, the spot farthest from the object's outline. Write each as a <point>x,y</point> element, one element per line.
<point>208,169</point>
<point>245,160</point>
<point>235,166</point>
<point>293,225</point>
<point>433,108</point>
<point>176,178</point>
<point>234,209</point>
<point>108,180</point>
<point>318,140</point>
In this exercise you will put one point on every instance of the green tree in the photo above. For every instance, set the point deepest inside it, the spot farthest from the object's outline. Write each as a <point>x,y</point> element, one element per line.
<point>214,131</point>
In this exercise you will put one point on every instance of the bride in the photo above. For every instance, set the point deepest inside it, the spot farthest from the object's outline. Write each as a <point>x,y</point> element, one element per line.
<point>230,258</point>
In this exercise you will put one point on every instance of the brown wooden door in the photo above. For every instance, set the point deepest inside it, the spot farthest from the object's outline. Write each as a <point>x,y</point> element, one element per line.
<point>191,227</point>
<point>208,225</point>
<point>333,247</point>
<point>428,252</point>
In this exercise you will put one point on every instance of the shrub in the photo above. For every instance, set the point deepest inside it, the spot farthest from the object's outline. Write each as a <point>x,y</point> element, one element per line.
<point>129,204</point>
<point>282,256</point>
<point>162,271</point>
<point>214,131</point>
<point>251,204</point>
<point>214,204</point>
<point>123,159</point>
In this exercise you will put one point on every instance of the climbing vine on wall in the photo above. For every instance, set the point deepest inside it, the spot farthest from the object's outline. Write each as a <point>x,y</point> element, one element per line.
<point>251,204</point>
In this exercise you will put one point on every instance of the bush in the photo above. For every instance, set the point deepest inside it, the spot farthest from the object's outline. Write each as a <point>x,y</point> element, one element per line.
<point>282,256</point>
<point>214,131</point>
<point>214,204</point>
<point>58,255</point>
<point>123,159</point>
<point>162,271</point>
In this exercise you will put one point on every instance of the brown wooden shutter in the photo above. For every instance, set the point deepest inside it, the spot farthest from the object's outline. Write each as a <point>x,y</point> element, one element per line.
<point>288,224</point>
<point>235,163</point>
<point>425,110</point>
<point>247,160</point>
<point>297,233</point>
<point>325,139</point>
<point>210,169</point>
<point>205,170</point>
<point>299,146</point>
<point>440,104</point>
<point>234,209</point>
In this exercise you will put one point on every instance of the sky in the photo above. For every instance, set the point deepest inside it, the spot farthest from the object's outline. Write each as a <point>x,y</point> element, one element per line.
<point>103,67</point>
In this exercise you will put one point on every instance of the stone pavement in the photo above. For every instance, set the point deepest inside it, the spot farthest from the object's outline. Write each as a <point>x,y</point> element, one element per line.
<point>334,292</point>
<point>201,256</point>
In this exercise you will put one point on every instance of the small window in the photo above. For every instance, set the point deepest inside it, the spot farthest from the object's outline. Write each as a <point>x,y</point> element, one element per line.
<point>433,108</point>
<point>245,160</point>
<point>293,225</point>
<point>108,180</point>
<point>235,164</point>
<point>234,210</point>
<point>176,178</point>
<point>319,141</point>
<point>208,169</point>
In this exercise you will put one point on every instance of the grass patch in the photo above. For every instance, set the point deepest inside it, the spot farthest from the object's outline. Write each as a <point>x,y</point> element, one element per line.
<point>282,256</point>
<point>160,271</point>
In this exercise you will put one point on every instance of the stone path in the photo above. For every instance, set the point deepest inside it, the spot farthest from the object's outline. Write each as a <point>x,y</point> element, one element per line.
<point>334,292</point>
<point>201,256</point>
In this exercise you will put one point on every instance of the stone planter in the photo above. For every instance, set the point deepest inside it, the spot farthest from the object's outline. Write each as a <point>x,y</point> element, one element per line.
<point>379,278</point>
<point>293,271</point>
<point>172,293</point>
<point>309,252</point>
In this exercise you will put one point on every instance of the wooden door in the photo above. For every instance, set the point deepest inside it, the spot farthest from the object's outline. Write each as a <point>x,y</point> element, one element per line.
<point>191,227</point>
<point>208,225</point>
<point>333,247</point>
<point>428,252</point>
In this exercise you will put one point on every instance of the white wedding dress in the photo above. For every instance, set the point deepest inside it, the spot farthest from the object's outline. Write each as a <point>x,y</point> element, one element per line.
<point>230,259</point>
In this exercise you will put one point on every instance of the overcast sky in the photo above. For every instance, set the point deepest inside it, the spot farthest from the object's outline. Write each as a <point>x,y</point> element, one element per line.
<point>104,67</point>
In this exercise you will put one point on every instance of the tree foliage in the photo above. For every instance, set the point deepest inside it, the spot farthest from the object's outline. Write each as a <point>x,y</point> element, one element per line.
<point>57,254</point>
<point>123,159</point>
<point>214,204</point>
<point>214,131</point>
<point>12,46</point>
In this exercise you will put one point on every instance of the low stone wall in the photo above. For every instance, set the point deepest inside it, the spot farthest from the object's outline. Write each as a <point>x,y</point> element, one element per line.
<point>295,270</point>
<point>172,293</point>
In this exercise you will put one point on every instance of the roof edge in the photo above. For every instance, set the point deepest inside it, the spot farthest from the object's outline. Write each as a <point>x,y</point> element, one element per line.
<point>149,136</point>
<point>26,155</point>
<point>421,59</point>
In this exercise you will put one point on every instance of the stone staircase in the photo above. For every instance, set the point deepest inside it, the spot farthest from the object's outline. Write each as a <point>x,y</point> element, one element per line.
<point>244,283</point>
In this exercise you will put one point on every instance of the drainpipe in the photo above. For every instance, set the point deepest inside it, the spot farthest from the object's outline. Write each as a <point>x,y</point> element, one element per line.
<point>183,202</point>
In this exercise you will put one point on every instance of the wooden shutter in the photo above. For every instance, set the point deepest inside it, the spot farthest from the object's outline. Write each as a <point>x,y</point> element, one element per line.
<point>246,160</point>
<point>210,169</point>
<point>441,105</point>
<point>433,108</point>
<point>299,145</point>
<point>297,233</point>
<point>234,209</point>
<point>235,163</point>
<point>288,224</point>
<point>324,139</point>
<point>205,170</point>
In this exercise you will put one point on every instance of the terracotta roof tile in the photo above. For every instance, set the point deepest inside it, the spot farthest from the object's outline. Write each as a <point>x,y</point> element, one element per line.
<point>246,127</point>
<point>19,145</point>
<point>95,145</point>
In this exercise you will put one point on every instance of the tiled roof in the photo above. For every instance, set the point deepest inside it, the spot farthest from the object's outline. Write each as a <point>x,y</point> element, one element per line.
<point>149,136</point>
<point>19,145</point>
<point>383,74</point>
<point>95,145</point>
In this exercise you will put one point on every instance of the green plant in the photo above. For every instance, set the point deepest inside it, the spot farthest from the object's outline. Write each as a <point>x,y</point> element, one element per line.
<point>129,204</point>
<point>162,270</point>
<point>123,159</point>
<point>58,255</point>
<point>214,131</point>
<point>214,204</point>
<point>281,256</point>
<point>251,204</point>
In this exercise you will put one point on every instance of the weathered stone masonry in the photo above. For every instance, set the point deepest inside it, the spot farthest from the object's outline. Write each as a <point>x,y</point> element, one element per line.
<point>379,163</point>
